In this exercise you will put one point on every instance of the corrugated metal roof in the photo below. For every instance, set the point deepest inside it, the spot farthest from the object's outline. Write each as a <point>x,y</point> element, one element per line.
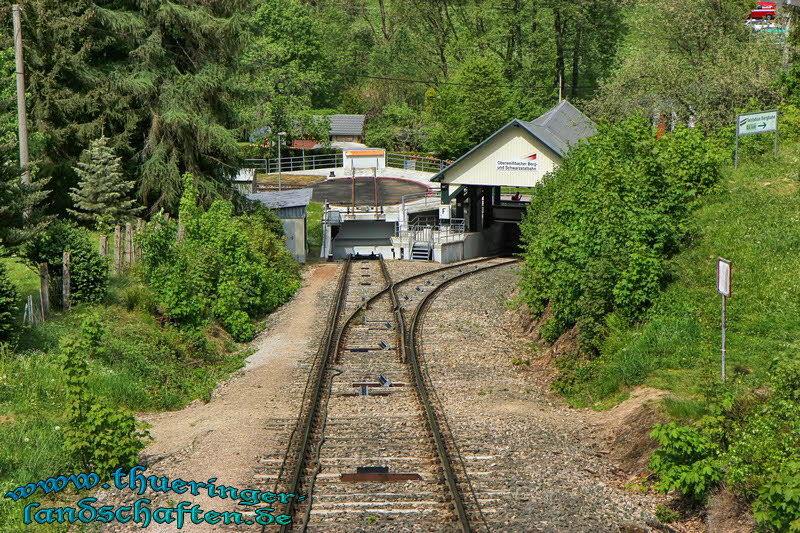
<point>559,128</point>
<point>282,199</point>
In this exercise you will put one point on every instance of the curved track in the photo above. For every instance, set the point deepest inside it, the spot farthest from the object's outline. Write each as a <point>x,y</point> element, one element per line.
<point>371,447</point>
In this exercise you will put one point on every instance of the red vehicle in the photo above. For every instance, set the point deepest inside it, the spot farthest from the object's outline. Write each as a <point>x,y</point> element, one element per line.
<point>764,10</point>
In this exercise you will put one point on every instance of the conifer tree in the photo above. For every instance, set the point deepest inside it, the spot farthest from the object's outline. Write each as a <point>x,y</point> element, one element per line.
<point>102,194</point>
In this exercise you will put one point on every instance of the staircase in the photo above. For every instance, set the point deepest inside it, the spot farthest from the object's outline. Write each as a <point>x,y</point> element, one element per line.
<point>420,251</point>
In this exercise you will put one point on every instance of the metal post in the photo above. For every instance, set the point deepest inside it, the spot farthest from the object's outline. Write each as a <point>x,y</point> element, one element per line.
<point>22,113</point>
<point>723,338</point>
<point>280,137</point>
<point>777,116</point>
<point>736,148</point>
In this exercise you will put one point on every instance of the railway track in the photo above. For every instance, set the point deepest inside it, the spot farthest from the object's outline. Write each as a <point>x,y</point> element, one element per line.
<point>371,448</point>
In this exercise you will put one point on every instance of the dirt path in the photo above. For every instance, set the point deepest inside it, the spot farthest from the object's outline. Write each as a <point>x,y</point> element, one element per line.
<point>224,438</point>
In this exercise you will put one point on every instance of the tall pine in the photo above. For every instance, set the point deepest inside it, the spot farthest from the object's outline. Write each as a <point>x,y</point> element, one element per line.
<point>102,194</point>
<point>156,77</point>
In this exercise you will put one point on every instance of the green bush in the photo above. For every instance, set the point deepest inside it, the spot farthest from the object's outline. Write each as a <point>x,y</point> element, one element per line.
<point>598,229</point>
<point>686,460</point>
<point>778,503</point>
<point>88,270</point>
<point>97,437</point>
<point>768,439</point>
<point>8,306</point>
<point>225,268</point>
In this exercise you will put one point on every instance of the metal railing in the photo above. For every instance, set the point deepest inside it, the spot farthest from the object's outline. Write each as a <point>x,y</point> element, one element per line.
<point>336,160</point>
<point>425,230</point>
<point>415,162</point>
<point>290,164</point>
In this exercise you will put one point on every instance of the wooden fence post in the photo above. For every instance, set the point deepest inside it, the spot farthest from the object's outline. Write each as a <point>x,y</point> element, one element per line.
<point>117,249</point>
<point>65,283</point>
<point>103,245</point>
<point>44,290</point>
<point>141,226</point>
<point>128,243</point>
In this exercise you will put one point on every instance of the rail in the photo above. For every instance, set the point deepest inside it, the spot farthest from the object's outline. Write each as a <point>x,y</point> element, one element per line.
<point>414,358</point>
<point>314,389</point>
<point>306,424</point>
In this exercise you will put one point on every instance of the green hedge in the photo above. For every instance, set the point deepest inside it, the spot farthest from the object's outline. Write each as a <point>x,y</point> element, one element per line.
<point>226,268</point>
<point>598,229</point>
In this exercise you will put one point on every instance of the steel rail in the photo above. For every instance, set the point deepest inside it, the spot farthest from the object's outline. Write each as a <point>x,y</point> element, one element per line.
<point>331,348</point>
<point>422,390</point>
<point>307,426</point>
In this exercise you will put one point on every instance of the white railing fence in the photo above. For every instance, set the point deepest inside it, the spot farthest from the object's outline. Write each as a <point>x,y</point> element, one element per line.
<point>335,160</point>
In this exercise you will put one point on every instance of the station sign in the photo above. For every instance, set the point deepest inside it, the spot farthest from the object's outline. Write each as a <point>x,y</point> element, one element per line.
<point>444,212</point>
<point>752,123</point>
<point>755,123</point>
<point>528,163</point>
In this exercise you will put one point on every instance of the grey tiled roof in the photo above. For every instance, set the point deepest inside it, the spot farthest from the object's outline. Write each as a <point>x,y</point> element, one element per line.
<point>347,124</point>
<point>561,127</point>
<point>278,200</point>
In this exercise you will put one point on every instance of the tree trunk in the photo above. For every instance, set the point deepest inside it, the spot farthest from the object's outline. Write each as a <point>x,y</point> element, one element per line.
<point>559,26</point>
<point>576,58</point>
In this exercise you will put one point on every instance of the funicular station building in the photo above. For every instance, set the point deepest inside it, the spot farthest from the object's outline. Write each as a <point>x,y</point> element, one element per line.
<point>470,215</point>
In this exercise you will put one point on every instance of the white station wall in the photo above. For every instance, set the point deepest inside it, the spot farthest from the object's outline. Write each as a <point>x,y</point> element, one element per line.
<point>514,144</point>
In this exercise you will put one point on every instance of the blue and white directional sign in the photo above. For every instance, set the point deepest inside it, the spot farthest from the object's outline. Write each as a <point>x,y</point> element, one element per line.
<point>763,122</point>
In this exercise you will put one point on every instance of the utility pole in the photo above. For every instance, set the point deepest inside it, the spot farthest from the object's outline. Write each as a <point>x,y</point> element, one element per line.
<point>22,114</point>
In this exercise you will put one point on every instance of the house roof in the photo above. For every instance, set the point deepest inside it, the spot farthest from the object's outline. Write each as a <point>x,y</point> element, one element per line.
<point>340,125</point>
<point>559,128</point>
<point>281,199</point>
<point>347,124</point>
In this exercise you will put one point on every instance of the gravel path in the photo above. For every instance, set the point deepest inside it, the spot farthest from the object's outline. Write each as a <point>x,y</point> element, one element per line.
<point>534,463</point>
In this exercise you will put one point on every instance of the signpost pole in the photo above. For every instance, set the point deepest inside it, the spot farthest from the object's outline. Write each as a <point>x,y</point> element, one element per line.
<point>723,338</point>
<point>724,288</point>
<point>776,134</point>
<point>736,148</point>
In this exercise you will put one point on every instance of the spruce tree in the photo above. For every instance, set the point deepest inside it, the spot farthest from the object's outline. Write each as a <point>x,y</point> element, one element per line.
<point>102,194</point>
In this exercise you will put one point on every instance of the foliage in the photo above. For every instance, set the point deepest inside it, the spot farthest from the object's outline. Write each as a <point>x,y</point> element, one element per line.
<point>769,439</point>
<point>469,111</point>
<point>157,77</point>
<point>98,437</point>
<point>690,57</point>
<point>398,128</point>
<point>88,270</point>
<point>226,268</point>
<point>666,515</point>
<point>102,192</point>
<point>8,307</point>
<point>686,460</point>
<point>599,228</point>
<point>281,70</point>
<point>778,504</point>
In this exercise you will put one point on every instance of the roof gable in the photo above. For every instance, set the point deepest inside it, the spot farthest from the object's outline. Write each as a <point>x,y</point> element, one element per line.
<point>558,129</point>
